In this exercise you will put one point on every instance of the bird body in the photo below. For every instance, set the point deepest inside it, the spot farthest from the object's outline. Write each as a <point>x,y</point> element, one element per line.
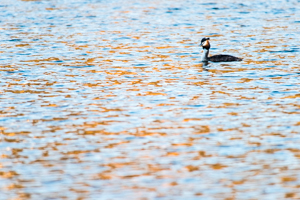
<point>217,58</point>
<point>224,58</point>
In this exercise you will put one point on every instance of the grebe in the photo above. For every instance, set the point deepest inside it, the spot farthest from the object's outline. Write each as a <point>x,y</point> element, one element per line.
<point>217,58</point>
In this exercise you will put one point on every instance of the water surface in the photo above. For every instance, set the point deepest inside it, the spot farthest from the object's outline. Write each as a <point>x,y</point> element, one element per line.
<point>109,100</point>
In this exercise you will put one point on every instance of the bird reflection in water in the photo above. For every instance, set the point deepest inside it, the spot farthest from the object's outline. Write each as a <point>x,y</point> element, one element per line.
<point>205,65</point>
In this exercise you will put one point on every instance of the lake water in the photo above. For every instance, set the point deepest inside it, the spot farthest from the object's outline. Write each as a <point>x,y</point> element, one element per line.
<point>109,100</point>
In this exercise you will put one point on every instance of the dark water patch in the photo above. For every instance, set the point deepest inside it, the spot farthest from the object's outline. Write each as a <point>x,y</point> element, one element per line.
<point>81,42</point>
<point>286,51</point>
<point>197,106</point>
<point>174,8</point>
<point>219,8</point>
<point>140,65</point>
<point>15,40</point>
<point>82,66</point>
<point>244,12</point>
<point>210,3</point>
<point>280,75</point>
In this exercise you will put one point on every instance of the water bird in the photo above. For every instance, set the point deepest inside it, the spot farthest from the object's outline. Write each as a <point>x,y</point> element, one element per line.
<point>217,58</point>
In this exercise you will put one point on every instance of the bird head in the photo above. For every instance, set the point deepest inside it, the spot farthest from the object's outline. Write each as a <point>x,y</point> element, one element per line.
<point>205,43</point>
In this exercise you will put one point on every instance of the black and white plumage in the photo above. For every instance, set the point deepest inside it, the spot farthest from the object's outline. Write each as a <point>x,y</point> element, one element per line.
<point>217,58</point>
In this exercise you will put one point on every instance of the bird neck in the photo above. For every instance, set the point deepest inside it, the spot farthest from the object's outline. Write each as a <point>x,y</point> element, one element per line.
<point>205,54</point>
